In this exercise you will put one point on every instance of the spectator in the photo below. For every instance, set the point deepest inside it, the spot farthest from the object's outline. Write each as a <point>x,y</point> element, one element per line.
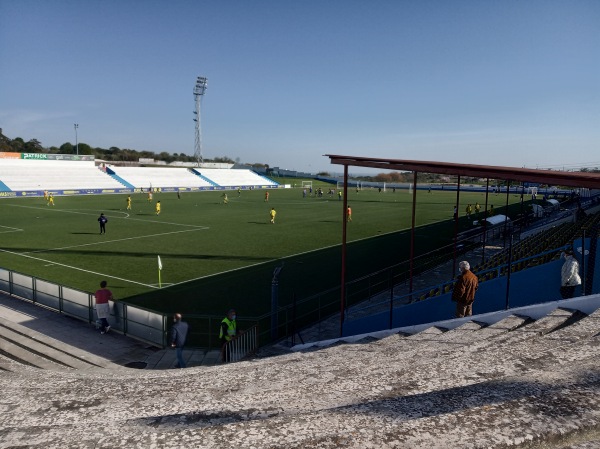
<point>179,333</point>
<point>464,290</point>
<point>102,308</point>
<point>569,275</point>
<point>228,332</point>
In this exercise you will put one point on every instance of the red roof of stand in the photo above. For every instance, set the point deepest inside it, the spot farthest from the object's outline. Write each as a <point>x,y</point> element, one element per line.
<point>552,177</point>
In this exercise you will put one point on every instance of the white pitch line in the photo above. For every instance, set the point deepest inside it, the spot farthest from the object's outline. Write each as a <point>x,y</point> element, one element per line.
<point>12,229</point>
<point>76,268</point>
<point>109,241</point>
<point>115,217</point>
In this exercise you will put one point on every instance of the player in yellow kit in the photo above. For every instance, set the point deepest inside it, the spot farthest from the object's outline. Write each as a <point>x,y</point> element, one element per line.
<point>158,208</point>
<point>129,202</point>
<point>50,200</point>
<point>272,215</point>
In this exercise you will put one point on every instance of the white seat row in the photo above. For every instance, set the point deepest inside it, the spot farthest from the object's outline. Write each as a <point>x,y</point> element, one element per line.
<point>144,177</point>
<point>53,177</point>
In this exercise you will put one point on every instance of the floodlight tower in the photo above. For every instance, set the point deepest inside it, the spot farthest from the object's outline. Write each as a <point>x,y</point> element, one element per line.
<point>76,126</point>
<point>199,90</point>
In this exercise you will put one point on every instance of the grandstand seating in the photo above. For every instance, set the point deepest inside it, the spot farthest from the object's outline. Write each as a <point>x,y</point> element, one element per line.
<point>144,177</point>
<point>524,253</point>
<point>234,178</point>
<point>54,175</point>
<point>37,175</point>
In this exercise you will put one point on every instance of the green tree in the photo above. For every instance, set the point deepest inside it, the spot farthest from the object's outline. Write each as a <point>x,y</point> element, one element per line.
<point>33,146</point>
<point>67,148</point>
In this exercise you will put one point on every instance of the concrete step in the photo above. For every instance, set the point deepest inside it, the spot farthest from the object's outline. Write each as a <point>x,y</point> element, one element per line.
<point>23,355</point>
<point>23,339</point>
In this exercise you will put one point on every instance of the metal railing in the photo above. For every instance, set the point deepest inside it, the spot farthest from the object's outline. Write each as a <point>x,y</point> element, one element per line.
<point>240,347</point>
<point>134,321</point>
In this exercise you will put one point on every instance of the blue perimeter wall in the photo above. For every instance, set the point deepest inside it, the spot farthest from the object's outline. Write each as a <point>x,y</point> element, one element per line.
<point>527,287</point>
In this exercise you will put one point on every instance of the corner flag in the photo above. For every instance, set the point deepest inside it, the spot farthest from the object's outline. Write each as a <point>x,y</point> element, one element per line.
<point>159,270</point>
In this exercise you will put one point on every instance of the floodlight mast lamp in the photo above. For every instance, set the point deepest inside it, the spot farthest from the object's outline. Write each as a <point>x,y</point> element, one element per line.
<point>76,125</point>
<point>199,90</point>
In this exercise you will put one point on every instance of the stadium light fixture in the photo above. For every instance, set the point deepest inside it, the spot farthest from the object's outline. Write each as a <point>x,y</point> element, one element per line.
<point>76,126</point>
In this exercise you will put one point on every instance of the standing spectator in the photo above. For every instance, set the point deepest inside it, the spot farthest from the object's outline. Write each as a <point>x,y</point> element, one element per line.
<point>227,332</point>
<point>102,220</point>
<point>102,308</point>
<point>464,290</point>
<point>179,333</point>
<point>569,275</point>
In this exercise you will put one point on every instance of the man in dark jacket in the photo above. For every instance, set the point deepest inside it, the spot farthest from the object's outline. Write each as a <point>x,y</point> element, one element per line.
<point>464,290</point>
<point>179,333</point>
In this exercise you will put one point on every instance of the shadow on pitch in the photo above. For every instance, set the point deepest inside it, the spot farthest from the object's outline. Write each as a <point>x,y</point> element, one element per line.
<point>72,251</point>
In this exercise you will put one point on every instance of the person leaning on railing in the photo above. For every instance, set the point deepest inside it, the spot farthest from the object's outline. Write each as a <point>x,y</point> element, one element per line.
<point>227,332</point>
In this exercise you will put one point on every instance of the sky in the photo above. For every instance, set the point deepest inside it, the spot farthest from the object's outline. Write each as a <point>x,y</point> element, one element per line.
<point>514,83</point>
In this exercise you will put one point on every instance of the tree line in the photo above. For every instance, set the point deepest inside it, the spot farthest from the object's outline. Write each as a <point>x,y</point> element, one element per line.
<point>112,154</point>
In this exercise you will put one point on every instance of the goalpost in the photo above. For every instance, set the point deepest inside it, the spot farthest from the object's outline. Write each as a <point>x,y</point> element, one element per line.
<point>307,184</point>
<point>532,190</point>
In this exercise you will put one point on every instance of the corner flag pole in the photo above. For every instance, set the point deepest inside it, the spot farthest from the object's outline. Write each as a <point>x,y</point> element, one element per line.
<point>159,270</point>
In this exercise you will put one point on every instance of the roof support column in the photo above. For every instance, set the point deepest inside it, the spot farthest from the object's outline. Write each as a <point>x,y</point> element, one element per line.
<point>456,214</point>
<point>344,227</point>
<point>485,213</point>
<point>412,231</point>
<point>506,211</point>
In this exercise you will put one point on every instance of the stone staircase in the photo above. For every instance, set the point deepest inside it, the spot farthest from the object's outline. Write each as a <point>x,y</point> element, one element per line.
<point>527,381</point>
<point>23,346</point>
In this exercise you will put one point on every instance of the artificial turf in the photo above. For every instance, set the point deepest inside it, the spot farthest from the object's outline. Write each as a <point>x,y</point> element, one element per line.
<point>217,255</point>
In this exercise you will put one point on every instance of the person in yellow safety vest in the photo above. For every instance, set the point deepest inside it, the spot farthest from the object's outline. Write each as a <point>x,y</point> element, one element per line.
<point>228,331</point>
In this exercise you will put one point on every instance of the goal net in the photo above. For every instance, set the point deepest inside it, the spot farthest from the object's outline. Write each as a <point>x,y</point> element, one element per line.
<point>307,184</point>
<point>532,190</point>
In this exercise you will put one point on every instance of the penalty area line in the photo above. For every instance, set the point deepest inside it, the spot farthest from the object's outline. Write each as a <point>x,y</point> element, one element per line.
<point>77,268</point>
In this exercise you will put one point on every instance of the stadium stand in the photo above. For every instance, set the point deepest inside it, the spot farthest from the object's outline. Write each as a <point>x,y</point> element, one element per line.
<point>234,178</point>
<point>144,177</point>
<point>38,175</point>
<point>517,378</point>
<point>49,175</point>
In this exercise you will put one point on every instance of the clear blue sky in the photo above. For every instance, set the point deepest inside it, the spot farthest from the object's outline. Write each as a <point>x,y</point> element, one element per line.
<point>487,82</point>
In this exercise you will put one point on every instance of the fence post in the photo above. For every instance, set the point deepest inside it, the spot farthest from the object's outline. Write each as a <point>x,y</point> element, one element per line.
<point>391,297</point>
<point>510,255</point>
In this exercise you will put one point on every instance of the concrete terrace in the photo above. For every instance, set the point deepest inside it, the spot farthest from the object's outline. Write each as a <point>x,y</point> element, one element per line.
<point>521,381</point>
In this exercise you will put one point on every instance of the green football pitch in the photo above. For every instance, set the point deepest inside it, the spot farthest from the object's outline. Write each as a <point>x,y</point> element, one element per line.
<point>215,255</point>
